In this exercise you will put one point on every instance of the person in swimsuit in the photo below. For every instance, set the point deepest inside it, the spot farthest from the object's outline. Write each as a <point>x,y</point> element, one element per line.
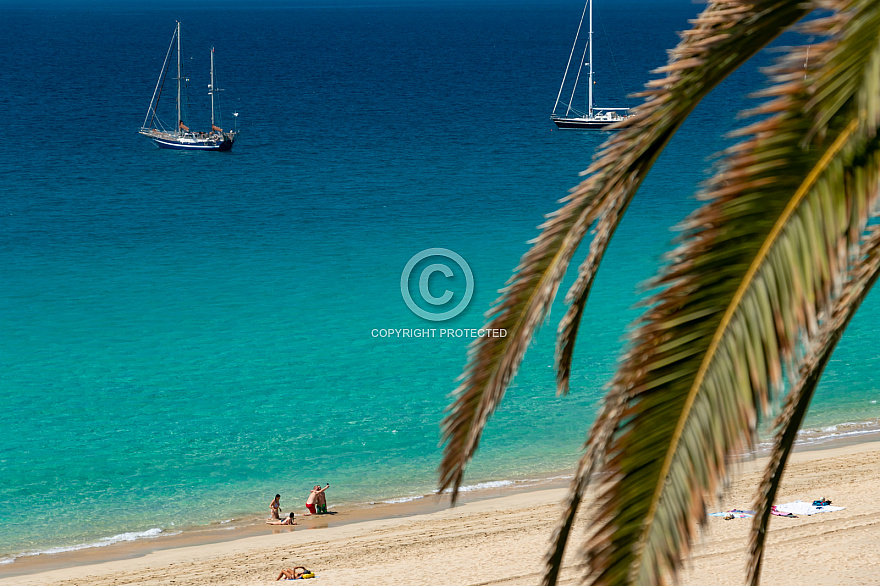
<point>274,506</point>
<point>296,573</point>
<point>286,521</point>
<point>321,503</point>
<point>313,497</point>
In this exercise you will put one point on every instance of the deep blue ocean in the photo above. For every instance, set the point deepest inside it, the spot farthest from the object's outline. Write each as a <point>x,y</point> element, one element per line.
<point>182,335</point>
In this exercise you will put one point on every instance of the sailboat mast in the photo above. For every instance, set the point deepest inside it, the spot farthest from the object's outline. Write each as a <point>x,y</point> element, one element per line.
<point>212,88</point>
<point>179,81</point>
<point>590,41</point>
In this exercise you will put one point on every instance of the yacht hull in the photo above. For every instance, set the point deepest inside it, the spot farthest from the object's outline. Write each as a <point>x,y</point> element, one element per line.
<point>583,123</point>
<point>190,141</point>
<point>225,145</point>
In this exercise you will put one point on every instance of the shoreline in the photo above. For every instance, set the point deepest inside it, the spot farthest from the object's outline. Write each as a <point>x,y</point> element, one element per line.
<point>138,543</point>
<point>250,526</point>
<point>238,536</point>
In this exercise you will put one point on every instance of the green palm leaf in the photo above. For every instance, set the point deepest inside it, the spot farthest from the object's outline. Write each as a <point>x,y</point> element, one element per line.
<point>725,35</point>
<point>865,274</point>
<point>744,288</point>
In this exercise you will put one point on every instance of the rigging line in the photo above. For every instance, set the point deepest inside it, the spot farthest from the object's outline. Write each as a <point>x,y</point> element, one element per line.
<point>578,78</point>
<point>161,124</point>
<point>570,55</point>
<point>186,104</point>
<point>161,78</point>
<point>575,110</point>
<point>216,94</point>
<point>164,75</point>
<point>613,60</point>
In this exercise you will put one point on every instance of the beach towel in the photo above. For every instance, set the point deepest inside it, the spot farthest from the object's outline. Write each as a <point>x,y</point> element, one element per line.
<point>778,513</point>
<point>734,514</point>
<point>802,508</point>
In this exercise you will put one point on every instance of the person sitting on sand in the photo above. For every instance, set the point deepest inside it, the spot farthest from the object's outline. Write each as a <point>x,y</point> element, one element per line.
<point>274,506</point>
<point>313,497</point>
<point>286,521</point>
<point>296,573</point>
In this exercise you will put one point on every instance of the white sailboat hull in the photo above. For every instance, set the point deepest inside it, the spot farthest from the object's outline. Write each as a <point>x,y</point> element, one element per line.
<point>190,141</point>
<point>584,123</point>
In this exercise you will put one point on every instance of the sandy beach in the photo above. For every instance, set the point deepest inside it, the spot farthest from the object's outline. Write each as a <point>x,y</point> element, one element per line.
<point>502,540</point>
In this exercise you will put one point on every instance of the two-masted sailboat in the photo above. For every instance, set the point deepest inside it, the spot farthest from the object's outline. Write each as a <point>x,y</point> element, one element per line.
<point>594,118</point>
<point>180,136</point>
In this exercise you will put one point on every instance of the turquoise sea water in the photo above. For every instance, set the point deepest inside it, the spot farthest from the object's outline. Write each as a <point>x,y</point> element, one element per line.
<point>186,334</point>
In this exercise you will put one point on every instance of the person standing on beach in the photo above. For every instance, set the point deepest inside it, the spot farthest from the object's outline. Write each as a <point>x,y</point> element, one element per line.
<point>274,506</point>
<point>313,498</point>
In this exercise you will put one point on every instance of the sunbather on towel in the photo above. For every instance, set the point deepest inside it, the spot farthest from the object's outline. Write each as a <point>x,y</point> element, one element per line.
<point>296,573</point>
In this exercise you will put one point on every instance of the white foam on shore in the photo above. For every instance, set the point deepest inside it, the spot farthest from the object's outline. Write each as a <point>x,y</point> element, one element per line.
<point>469,488</point>
<point>403,499</point>
<point>550,478</point>
<point>103,542</point>
<point>485,485</point>
<point>828,433</point>
<point>833,432</point>
<point>482,486</point>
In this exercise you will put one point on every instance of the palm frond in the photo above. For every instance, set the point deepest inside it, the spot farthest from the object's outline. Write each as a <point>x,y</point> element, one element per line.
<point>599,437</point>
<point>743,289</point>
<point>725,35</point>
<point>864,275</point>
<point>576,298</point>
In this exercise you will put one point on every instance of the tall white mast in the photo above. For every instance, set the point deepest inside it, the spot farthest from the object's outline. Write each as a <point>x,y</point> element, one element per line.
<point>590,41</point>
<point>212,88</point>
<point>179,81</point>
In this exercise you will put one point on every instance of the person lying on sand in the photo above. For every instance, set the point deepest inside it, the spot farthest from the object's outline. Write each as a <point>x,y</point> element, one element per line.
<point>296,573</point>
<point>286,521</point>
